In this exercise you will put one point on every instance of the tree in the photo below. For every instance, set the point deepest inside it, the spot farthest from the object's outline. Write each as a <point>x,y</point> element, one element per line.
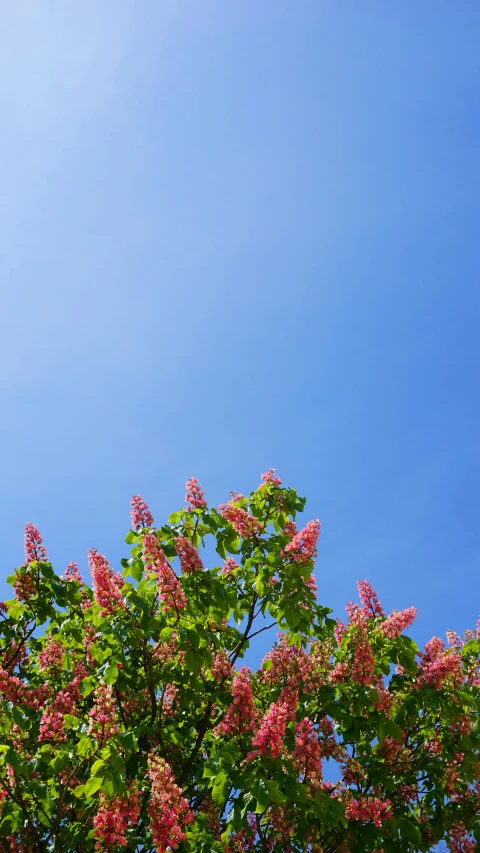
<point>129,722</point>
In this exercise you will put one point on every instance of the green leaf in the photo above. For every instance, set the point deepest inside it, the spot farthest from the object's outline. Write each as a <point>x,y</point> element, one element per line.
<point>84,746</point>
<point>220,549</point>
<point>136,570</point>
<point>220,789</point>
<point>292,614</point>
<point>14,760</point>
<point>93,785</point>
<point>393,730</point>
<point>117,762</point>
<point>380,728</point>
<point>131,538</point>
<point>111,674</point>
<point>70,721</point>
<point>97,765</point>
<point>274,795</point>
<point>193,660</point>
<point>87,685</point>
<point>260,792</point>
<point>174,517</point>
<point>409,831</point>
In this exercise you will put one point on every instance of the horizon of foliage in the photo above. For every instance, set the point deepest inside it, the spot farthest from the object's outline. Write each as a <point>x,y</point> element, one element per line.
<point>130,723</point>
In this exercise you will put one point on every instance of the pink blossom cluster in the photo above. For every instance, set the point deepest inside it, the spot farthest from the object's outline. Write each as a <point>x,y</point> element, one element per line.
<point>229,566</point>
<point>439,665</point>
<point>369,599</point>
<point>289,698</point>
<point>366,809</point>
<point>24,584</point>
<point>103,716</point>
<point>15,655</point>
<point>363,668</point>
<point>17,692</point>
<point>434,744</point>
<point>107,584</point>
<point>307,756</point>
<point>52,722</point>
<point>270,477</point>
<point>168,810</point>
<point>454,640</point>
<point>113,817</point>
<point>194,496</point>
<point>140,513</point>
<point>303,546</point>
<point>241,714</point>
<point>187,554</point>
<point>459,840</point>
<point>72,573</point>
<point>340,672</point>
<point>169,695</point>
<point>397,622</point>
<point>52,725</point>
<point>385,700</point>
<point>289,665</point>
<point>245,525</point>
<point>340,631</point>
<point>169,587</point>
<point>50,657</point>
<point>221,666</point>
<point>356,616</point>
<point>269,737</point>
<point>34,550</point>
<point>290,529</point>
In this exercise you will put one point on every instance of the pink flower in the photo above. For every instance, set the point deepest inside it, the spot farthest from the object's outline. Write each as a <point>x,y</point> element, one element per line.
<point>340,630</point>
<point>363,668</point>
<point>289,529</point>
<point>439,665</point>
<point>52,726</point>
<point>140,513</point>
<point>106,583</point>
<point>229,566</point>
<point>72,573</point>
<point>194,495</point>
<point>34,550</point>
<point>398,622</point>
<point>307,757</point>
<point>241,714</point>
<point>170,588</point>
<point>221,666</point>
<point>50,657</point>
<point>113,816</point>
<point>303,546</point>
<point>245,525</point>
<point>460,841</point>
<point>369,599</point>
<point>366,809</point>
<point>270,477</point>
<point>289,667</point>
<point>25,584</point>
<point>168,810</point>
<point>269,738</point>
<point>103,716</point>
<point>188,556</point>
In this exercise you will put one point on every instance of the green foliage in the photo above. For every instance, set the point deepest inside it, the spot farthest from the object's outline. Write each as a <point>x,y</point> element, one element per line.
<point>115,697</point>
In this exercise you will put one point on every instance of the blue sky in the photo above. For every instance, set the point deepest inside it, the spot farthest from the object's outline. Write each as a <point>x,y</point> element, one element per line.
<point>240,235</point>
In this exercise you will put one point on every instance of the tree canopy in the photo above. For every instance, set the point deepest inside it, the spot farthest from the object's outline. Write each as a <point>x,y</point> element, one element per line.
<point>131,722</point>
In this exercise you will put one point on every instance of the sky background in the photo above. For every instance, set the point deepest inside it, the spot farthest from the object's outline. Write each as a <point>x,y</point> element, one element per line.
<point>240,235</point>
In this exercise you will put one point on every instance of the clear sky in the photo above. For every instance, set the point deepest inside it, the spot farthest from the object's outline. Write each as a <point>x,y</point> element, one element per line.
<point>236,235</point>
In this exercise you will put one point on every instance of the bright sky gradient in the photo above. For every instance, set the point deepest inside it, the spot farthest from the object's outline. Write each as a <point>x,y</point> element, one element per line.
<point>237,235</point>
